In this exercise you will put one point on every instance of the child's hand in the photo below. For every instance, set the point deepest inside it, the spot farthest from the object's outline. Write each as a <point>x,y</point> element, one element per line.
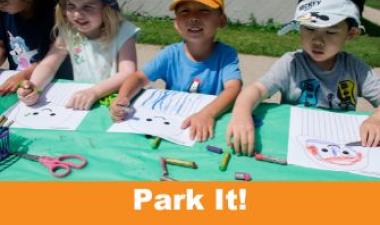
<point>82,100</point>
<point>201,126</point>
<point>370,132</point>
<point>28,93</point>
<point>241,130</point>
<point>11,84</point>
<point>117,109</point>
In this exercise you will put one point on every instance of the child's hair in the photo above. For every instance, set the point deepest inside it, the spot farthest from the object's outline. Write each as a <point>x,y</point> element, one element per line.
<point>111,21</point>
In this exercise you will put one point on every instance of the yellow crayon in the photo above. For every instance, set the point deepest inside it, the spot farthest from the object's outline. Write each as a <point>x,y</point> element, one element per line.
<point>3,119</point>
<point>183,163</point>
<point>224,163</point>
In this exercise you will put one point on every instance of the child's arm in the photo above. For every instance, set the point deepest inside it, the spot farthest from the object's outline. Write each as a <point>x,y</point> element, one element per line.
<point>132,85</point>
<point>370,130</point>
<point>241,126</point>
<point>43,73</point>
<point>202,123</point>
<point>11,84</point>
<point>83,100</point>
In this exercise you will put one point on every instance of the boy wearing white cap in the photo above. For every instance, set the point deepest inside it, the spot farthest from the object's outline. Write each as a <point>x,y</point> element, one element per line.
<point>319,75</point>
<point>197,64</point>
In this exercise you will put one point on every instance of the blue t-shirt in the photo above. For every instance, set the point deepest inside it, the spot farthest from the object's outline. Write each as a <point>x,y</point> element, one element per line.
<point>179,72</point>
<point>27,40</point>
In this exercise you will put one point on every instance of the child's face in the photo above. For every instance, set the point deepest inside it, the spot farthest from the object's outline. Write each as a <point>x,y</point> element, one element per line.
<point>196,22</point>
<point>86,16</point>
<point>323,44</point>
<point>14,6</point>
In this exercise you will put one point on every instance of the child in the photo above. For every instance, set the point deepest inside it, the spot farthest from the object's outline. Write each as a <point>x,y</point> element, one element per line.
<point>319,75</point>
<point>25,37</point>
<point>198,64</point>
<point>101,47</point>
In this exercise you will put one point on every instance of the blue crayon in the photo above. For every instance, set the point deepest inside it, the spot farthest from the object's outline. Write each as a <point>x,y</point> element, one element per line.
<point>214,149</point>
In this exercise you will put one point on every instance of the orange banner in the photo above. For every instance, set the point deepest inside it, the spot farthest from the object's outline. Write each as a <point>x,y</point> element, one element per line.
<point>189,202</point>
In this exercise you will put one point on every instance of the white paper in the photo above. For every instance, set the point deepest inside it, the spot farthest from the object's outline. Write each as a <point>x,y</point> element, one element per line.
<point>5,74</point>
<point>317,139</point>
<point>161,113</point>
<point>50,111</point>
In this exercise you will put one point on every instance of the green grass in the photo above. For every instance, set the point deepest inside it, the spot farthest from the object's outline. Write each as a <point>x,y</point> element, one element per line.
<point>373,3</point>
<point>256,39</point>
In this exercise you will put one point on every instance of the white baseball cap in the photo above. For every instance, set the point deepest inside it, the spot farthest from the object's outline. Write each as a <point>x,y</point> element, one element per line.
<point>321,14</point>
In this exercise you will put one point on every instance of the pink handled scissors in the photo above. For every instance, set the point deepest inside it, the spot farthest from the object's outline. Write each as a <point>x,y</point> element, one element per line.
<point>57,166</point>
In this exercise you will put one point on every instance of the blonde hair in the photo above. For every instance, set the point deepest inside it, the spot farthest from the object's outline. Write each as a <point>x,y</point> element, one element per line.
<point>112,20</point>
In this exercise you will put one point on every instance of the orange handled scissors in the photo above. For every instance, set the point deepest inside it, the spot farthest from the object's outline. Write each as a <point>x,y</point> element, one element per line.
<point>57,166</point>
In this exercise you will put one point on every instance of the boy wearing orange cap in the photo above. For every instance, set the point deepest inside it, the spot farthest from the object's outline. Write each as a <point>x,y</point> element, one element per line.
<point>198,64</point>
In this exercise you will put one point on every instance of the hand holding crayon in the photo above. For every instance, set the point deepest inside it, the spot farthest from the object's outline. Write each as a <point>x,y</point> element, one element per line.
<point>28,93</point>
<point>119,109</point>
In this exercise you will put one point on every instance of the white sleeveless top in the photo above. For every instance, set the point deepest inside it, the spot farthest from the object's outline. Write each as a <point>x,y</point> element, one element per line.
<point>94,61</point>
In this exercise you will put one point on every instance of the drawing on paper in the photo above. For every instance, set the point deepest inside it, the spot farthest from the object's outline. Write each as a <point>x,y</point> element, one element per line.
<point>333,155</point>
<point>141,120</point>
<point>50,112</point>
<point>161,113</point>
<point>50,115</point>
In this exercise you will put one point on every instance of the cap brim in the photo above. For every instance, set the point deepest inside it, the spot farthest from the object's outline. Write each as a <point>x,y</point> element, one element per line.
<point>322,23</point>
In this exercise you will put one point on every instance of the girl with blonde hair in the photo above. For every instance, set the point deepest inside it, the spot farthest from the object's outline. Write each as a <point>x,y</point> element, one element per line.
<point>101,46</point>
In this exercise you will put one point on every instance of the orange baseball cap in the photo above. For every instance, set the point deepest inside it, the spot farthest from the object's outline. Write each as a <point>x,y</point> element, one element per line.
<point>215,4</point>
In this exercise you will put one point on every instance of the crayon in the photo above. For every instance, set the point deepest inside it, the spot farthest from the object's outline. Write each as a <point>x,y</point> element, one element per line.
<point>243,176</point>
<point>357,144</point>
<point>166,178</point>
<point>29,88</point>
<point>127,108</point>
<point>214,149</point>
<point>155,143</point>
<point>224,162</point>
<point>164,167</point>
<point>3,119</point>
<point>178,162</point>
<point>270,159</point>
<point>9,124</point>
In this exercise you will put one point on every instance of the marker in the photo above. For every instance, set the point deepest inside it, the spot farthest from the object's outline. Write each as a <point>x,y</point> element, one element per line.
<point>224,163</point>
<point>214,149</point>
<point>243,176</point>
<point>155,143</point>
<point>164,167</point>
<point>270,159</point>
<point>178,162</point>
<point>166,178</point>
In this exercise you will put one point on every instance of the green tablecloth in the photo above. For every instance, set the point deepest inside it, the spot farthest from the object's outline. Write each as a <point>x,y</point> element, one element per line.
<point>125,157</point>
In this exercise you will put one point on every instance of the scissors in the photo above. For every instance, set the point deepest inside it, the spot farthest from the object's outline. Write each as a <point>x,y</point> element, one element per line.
<point>57,166</point>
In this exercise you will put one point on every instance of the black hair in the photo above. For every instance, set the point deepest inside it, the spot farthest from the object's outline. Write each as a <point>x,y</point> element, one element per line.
<point>350,21</point>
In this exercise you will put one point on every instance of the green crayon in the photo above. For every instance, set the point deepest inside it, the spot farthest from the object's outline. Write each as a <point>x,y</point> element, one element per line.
<point>155,142</point>
<point>224,162</point>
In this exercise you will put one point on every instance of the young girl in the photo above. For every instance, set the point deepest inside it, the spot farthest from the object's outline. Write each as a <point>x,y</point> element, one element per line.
<point>25,37</point>
<point>101,47</point>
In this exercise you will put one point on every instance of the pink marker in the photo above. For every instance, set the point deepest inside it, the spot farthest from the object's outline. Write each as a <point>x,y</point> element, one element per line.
<point>243,176</point>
